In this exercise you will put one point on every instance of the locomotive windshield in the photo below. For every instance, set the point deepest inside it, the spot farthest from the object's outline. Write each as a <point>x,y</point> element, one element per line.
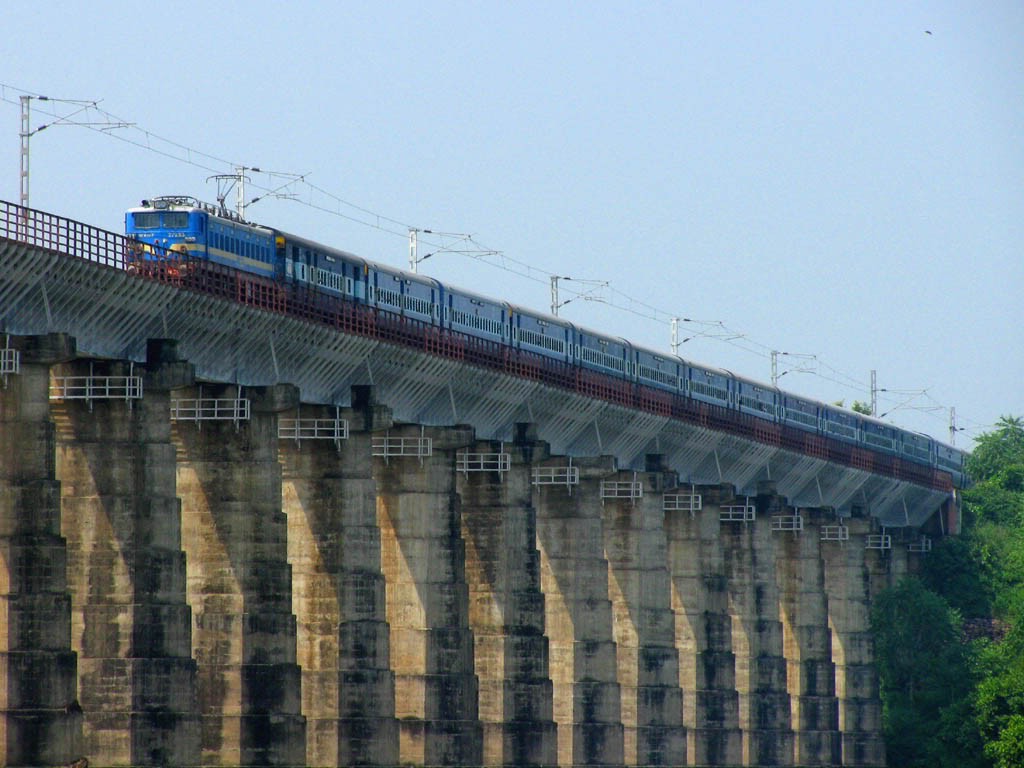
<point>165,219</point>
<point>146,220</point>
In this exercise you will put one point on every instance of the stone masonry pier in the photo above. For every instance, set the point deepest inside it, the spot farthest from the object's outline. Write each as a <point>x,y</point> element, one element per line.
<point>197,573</point>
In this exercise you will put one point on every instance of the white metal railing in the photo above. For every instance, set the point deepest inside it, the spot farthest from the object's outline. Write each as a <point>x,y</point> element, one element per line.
<point>402,446</point>
<point>567,476</point>
<point>483,462</point>
<point>878,541</point>
<point>96,388</point>
<point>835,533</point>
<point>312,429</point>
<point>10,361</point>
<point>923,544</point>
<point>210,409</point>
<point>737,513</point>
<point>622,489</point>
<point>682,502</point>
<point>787,523</point>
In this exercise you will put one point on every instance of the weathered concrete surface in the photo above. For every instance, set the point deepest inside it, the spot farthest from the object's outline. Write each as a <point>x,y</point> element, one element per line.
<point>643,622</point>
<point>131,625</point>
<point>506,605</point>
<point>40,718</point>
<point>334,548</point>
<point>764,702</point>
<point>700,599</point>
<point>847,582</point>
<point>239,582</point>
<point>424,563</point>
<point>807,644</point>
<point>578,614</point>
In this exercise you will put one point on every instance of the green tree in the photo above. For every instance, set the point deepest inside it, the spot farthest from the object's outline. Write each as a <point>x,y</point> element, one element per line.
<point>990,501</point>
<point>981,571</point>
<point>998,450</point>
<point>859,407</point>
<point>999,701</point>
<point>994,534</point>
<point>953,570</point>
<point>925,675</point>
<point>1008,749</point>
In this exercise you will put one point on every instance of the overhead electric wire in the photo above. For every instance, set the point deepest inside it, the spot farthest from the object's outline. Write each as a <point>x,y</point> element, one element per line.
<point>715,330</point>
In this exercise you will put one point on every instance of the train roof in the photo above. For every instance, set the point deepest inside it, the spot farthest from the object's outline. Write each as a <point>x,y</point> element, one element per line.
<point>539,315</point>
<point>474,296</point>
<point>189,203</point>
<point>325,248</point>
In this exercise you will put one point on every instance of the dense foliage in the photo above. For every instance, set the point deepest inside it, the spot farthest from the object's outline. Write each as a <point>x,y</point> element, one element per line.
<point>950,645</point>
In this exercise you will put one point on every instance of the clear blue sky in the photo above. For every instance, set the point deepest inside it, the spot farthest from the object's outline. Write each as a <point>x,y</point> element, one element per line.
<point>820,178</point>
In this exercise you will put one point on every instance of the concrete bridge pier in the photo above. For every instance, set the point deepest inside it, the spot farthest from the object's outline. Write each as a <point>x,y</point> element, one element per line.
<point>887,566</point>
<point>506,605</point>
<point>334,548</point>
<point>40,717</point>
<point>643,621</point>
<point>126,568</point>
<point>848,582</point>
<point>423,559</point>
<point>707,664</point>
<point>807,643</point>
<point>764,704</point>
<point>239,582</point>
<point>578,615</point>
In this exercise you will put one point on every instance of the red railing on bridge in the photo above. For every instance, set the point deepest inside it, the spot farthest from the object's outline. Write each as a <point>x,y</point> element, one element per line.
<point>82,241</point>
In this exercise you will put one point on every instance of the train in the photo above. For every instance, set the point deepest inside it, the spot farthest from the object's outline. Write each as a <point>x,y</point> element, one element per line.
<point>181,229</point>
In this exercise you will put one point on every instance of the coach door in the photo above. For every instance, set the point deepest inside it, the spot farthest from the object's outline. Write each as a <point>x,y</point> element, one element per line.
<point>304,264</point>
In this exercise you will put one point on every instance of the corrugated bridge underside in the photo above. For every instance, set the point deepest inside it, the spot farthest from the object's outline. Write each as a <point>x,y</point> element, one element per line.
<point>112,314</point>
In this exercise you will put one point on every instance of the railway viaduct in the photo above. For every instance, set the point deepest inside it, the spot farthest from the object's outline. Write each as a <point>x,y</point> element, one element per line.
<point>240,529</point>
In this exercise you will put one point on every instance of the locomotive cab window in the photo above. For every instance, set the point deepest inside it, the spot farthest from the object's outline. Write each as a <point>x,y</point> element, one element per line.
<point>147,220</point>
<point>176,220</point>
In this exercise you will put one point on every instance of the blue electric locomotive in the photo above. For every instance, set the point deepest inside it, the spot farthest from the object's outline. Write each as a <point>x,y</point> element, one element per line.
<point>184,226</point>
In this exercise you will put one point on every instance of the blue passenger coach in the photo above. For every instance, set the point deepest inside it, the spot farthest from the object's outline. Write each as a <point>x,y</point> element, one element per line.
<point>329,270</point>
<point>403,294</point>
<point>710,386</point>
<point>541,334</point>
<point>758,399</point>
<point>601,353</point>
<point>658,369</point>
<point>467,312</point>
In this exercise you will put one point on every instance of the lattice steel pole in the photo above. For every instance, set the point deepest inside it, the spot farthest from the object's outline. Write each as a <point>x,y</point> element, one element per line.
<point>413,249</point>
<point>25,135</point>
